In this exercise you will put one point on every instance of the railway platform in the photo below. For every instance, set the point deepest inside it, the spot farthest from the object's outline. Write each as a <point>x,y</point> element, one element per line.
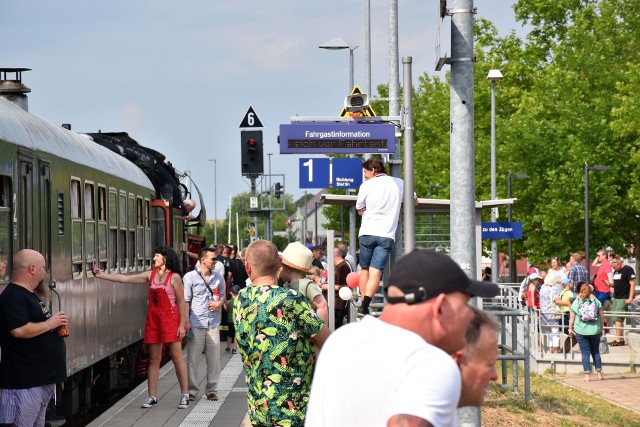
<point>229,411</point>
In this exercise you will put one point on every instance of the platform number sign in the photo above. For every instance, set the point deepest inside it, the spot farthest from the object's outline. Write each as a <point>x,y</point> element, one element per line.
<point>251,119</point>
<point>332,173</point>
<point>314,173</point>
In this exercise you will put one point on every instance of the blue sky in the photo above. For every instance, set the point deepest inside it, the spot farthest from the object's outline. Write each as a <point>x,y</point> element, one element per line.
<point>179,76</point>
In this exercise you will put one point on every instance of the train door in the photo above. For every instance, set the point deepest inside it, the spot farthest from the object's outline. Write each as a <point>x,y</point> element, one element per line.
<point>45,212</point>
<point>25,212</point>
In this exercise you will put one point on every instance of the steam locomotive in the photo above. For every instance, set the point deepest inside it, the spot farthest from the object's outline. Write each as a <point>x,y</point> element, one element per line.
<point>78,199</point>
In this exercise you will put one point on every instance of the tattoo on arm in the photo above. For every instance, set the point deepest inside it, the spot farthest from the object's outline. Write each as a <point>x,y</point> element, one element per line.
<point>405,420</point>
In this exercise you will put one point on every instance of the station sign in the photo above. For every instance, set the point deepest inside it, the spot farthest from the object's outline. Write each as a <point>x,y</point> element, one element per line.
<point>337,138</point>
<point>501,230</point>
<point>330,173</point>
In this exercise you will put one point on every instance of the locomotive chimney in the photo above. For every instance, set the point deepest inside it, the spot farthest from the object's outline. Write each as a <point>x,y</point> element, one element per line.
<point>12,89</point>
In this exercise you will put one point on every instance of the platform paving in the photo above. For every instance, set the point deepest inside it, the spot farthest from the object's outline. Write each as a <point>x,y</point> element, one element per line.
<point>229,411</point>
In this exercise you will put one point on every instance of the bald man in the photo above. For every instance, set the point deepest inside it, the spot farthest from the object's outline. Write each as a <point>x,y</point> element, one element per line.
<point>33,355</point>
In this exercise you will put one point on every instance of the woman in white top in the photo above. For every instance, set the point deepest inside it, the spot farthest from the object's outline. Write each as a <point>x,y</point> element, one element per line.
<point>556,273</point>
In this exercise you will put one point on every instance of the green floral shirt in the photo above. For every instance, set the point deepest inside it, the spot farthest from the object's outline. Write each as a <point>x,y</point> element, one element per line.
<point>274,327</point>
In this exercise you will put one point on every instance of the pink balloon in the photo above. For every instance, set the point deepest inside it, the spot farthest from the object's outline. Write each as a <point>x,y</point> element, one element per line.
<point>353,279</point>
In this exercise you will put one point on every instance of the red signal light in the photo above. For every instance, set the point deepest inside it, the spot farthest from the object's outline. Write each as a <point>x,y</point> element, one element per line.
<point>251,142</point>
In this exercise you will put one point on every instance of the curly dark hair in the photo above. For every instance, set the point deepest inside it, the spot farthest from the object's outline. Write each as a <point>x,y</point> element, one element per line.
<point>172,262</point>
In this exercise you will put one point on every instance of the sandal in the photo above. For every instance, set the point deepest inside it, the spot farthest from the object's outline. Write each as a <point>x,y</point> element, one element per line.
<point>617,343</point>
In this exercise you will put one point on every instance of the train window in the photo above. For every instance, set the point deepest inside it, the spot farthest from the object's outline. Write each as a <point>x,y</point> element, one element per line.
<point>76,229</point>
<point>158,227</point>
<point>102,228</point>
<point>112,251</point>
<point>139,253</point>
<point>89,225</point>
<point>102,203</point>
<point>75,198</point>
<point>88,201</point>
<point>5,227</point>
<point>131,211</point>
<point>147,236</point>
<point>122,232</point>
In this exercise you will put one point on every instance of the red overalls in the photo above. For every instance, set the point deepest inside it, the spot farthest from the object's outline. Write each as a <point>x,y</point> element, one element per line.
<point>163,319</point>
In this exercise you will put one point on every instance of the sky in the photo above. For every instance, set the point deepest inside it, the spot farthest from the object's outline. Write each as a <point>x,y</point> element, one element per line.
<point>180,76</point>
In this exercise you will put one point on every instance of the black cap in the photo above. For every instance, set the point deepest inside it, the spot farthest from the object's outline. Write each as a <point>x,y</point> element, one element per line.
<point>424,274</point>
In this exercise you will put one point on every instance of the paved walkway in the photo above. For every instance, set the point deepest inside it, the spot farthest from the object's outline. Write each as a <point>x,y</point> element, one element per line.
<point>229,411</point>
<point>621,389</point>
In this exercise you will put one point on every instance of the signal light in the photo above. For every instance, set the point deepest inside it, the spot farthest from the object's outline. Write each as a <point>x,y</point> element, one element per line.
<point>251,152</point>
<point>279,190</point>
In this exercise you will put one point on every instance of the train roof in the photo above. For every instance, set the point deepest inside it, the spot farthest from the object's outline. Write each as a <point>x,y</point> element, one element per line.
<point>35,133</point>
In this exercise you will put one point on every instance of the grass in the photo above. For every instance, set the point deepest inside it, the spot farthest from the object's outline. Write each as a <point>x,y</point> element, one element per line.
<point>552,404</point>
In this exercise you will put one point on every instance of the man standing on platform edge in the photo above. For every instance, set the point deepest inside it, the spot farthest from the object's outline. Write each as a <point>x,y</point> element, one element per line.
<point>33,355</point>
<point>378,203</point>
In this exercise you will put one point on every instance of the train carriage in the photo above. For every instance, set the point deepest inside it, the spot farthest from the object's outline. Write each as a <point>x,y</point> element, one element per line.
<point>78,198</point>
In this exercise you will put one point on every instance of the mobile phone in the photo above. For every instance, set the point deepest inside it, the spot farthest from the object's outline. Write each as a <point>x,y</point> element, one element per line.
<point>93,265</point>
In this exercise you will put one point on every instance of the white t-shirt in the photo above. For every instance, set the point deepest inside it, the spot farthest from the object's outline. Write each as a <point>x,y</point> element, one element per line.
<point>380,196</point>
<point>369,371</point>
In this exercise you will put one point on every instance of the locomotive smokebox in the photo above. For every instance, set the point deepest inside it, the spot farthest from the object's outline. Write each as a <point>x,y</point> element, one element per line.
<point>12,89</point>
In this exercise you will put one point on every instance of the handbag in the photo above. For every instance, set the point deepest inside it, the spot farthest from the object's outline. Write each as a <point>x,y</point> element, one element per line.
<point>604,346</point>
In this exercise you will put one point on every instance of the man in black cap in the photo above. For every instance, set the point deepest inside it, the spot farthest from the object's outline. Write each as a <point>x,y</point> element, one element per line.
<point>400,364</point>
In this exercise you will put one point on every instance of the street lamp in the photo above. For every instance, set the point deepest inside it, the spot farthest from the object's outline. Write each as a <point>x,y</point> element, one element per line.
<point>512,275</point>
<point>494,76</point>
<point>338,44</point>
<point>215,202</point>
<point>588,168</point>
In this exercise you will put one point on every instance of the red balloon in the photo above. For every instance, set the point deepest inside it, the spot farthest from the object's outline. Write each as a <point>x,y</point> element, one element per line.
<point>353,279</point>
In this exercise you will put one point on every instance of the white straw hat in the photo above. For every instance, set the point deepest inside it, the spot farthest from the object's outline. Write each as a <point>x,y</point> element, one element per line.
<point>297,256</point>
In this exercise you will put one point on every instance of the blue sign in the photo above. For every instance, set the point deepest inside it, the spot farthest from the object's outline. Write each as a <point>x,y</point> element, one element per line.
<point>346,173</point>
<point>337,138</point>
<point>315,173</point>
<point>502,230</point>
<point>323,172</point>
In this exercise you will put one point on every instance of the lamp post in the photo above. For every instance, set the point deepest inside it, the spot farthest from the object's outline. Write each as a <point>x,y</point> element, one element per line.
<point>588,168</point>
<point>512,275</point>
<point>494,76</point>
<point>338,44</point>
<point>215,202</point>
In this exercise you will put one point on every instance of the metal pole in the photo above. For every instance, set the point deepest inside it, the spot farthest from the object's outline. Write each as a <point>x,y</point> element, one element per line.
<point>331,282</point>
<point>409,212</point>
<point>586,216</point>
<point>512,278</point>
<point>351,68</point>
<point>304,220</point>
<point>215,201</point>
<point>394,110</point>
<point>367,45</point>
<point>494,242</point>
<point>316,228</point>
<point>462,168</point>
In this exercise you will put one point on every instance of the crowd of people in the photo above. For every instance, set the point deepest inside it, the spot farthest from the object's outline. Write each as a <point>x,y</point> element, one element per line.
<point>572,304</point>
<point>434,352</point>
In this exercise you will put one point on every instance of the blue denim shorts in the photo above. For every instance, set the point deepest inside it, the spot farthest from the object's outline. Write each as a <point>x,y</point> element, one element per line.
<point>374,251</point>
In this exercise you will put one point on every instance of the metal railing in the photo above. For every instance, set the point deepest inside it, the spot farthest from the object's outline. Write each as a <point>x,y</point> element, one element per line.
<point>515,322</point>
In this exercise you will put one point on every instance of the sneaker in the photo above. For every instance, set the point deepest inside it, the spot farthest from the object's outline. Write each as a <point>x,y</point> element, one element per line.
<point>227,349</point>
<point>212,396</point>
<point>151,401</point>
<point>233,351</point>
<point>184,401</point>
<point>362,312</point>
<point>192,397</point>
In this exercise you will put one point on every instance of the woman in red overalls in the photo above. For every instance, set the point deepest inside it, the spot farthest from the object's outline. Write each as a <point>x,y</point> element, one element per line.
<point>166,317</point>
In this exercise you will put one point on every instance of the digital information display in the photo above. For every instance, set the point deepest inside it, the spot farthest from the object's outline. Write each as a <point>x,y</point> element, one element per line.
<point>337,138</point>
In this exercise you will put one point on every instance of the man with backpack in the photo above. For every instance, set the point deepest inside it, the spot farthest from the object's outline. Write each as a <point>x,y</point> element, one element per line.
<point>296,262</point>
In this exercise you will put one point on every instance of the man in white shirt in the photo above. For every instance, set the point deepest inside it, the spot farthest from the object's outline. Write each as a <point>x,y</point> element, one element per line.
<point>400,364</point>
<point>378,203</point>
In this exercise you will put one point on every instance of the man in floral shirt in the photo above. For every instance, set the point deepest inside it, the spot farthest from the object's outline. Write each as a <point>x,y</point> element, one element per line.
<point>276,329</point>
